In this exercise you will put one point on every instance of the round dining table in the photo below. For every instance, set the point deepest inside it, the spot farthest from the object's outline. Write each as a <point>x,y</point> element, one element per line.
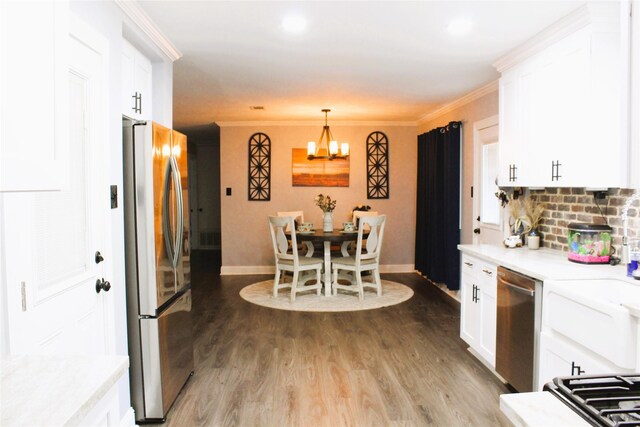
<point>327,238</point>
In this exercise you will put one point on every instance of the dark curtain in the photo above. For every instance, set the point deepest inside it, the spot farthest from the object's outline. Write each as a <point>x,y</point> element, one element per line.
<point>438,205</point>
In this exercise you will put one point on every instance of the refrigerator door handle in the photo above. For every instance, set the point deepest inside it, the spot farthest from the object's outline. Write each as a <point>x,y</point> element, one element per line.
<point>179,212</point>
<point>166,225</point>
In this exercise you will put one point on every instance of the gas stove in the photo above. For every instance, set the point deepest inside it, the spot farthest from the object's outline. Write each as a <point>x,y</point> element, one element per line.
<point>602,400</point>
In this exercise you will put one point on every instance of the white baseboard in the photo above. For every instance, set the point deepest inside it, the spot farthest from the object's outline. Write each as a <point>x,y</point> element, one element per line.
<point>397,268</point>
<point>270,269</point>
<point>129,418</point>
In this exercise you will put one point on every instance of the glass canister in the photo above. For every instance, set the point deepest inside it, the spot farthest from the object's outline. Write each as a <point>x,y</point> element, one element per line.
<point>589,243</point>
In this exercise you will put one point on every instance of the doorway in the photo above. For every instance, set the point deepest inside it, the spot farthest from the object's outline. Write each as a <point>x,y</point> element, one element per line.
<point>487,210</point>
<point>204,186</point>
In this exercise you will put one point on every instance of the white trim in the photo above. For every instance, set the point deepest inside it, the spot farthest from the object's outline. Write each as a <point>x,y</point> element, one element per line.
<point>129,418</point>
<point>134,11</point>
<point>466,99</point>
<point>554,32</point>
<point>270,269</point>
<point>312,123</point>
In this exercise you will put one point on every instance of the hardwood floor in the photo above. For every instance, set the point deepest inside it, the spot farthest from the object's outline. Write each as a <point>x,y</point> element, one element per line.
<point>398,366</point>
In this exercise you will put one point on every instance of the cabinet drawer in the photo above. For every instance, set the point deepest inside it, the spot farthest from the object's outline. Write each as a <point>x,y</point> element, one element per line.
<point>560,358</point>
<point>470,264</point>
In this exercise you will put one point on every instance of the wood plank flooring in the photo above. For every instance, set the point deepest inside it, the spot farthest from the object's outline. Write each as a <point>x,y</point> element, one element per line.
<point>398,366</point>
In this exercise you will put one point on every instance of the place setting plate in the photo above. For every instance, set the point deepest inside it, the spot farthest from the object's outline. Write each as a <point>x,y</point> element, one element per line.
<point>349,232</point>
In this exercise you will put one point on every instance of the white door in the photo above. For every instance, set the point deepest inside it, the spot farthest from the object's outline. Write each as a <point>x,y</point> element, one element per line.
<point>488,225</point>
<point>52,237</point>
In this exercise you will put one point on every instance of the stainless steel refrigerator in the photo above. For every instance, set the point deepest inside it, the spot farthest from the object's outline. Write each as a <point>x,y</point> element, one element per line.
<point>157,266</point>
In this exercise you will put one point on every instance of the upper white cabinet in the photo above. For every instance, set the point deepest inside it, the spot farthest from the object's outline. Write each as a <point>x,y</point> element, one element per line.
<point>635,92</point>
<point>34,85</point>
<point>564,107</point>
<point>136,83</point>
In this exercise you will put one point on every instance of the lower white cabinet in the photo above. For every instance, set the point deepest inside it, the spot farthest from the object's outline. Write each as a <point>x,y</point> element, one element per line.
<point>478,307</point>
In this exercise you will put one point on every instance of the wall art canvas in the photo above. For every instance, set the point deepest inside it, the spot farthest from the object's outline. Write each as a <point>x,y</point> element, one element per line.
<point>318,172</point>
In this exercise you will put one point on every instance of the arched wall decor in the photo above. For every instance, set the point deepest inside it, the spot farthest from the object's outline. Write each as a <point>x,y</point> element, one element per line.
<point>259,167</point>
<point>377,166</point>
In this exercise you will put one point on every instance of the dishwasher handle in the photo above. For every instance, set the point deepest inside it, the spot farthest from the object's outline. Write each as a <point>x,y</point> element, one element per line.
<point>516,288</point>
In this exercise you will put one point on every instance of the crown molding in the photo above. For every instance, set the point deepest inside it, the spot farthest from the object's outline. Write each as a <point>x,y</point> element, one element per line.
<point>134,11</point>
<point>466,99</point>
<point>577,19</point>
<point>312,123</point>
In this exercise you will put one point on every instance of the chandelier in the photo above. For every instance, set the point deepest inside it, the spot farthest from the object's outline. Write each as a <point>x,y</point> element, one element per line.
<point>331,151</point>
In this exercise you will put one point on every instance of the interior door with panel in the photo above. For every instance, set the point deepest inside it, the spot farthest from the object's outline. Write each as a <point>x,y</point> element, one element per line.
<point>57,249</point>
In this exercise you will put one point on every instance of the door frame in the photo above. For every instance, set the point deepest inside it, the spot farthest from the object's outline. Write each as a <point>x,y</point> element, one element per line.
<point>477,168</point>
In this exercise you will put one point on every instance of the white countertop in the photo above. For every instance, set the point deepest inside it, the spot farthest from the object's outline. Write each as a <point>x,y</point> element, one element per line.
<point>539,409</point>
<point>544,264</point>
<point>40,390</point>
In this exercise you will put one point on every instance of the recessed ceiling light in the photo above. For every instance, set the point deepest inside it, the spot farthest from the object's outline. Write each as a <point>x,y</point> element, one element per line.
<point>459,27</point>
<point>294,24</point>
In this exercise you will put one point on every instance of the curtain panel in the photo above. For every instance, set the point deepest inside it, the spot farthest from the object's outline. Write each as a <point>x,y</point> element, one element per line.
<point>438,205</point>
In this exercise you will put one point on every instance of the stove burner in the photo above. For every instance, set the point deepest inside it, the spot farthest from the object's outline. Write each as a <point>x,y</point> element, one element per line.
<point>602,400</point>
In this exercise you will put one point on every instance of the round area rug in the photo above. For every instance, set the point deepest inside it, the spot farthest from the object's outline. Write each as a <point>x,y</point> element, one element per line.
<point>261,293</point>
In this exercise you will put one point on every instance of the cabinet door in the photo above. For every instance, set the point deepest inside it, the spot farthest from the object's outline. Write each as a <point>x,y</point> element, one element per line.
<point>469,311</point>
<point>34,87</point>
<point>136,83</point>
<point>128,86</point>
<point>560,358</point>
<point>142,83</point>
<point>569,158</point>
<point>508,148</point>
<point>486,301</point>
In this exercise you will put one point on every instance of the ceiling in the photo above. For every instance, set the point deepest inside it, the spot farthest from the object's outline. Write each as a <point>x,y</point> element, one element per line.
<point>366,60</point>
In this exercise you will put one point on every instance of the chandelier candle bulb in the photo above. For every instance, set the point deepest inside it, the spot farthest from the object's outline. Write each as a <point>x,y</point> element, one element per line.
<point>333,148</point>
<point>311,148</point>
<point>344,149</point>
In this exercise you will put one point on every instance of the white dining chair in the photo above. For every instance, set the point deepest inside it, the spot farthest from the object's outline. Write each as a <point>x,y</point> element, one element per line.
<point>301,267</point>
<point>298,218</point>
<point>366,258</point>
<point>347,246</point>
<point>359,214</point>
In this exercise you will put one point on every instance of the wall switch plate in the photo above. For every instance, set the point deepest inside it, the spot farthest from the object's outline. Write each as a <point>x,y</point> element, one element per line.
<point>228,191</point>
<point>114,196</point>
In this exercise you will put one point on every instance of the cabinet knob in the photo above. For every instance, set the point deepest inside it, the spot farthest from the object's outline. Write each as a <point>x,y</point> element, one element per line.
<point>98,257</point>
<point>469,264</point>
<point>102,285</point>
<point>489,272</point>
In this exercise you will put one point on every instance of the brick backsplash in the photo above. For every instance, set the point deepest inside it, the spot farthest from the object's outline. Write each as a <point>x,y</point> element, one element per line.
<point>567,205</point>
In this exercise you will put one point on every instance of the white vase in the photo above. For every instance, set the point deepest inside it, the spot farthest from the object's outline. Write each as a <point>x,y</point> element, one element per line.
<point>327,224</point>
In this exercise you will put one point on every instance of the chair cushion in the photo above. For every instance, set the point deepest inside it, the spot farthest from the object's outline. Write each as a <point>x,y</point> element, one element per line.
<point>302,261</point>
<point>352,261</point>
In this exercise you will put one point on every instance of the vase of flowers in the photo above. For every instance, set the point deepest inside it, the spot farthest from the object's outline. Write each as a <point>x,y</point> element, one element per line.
<point>327,205</point>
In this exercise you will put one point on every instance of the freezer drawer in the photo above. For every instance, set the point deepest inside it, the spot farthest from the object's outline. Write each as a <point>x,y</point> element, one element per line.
<point>167,356</point>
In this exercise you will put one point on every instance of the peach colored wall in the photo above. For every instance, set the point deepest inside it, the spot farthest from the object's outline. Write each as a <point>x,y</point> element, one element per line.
<point>245,233</point>
<point>474,111</point>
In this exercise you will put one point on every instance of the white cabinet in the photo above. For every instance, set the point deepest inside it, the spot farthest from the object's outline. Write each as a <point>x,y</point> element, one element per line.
<point>478,307</point>
<point>564,103</point>
<point>586,329</point>
<point>136,83</point>
<point>34,84</point>
<point>635,92</point>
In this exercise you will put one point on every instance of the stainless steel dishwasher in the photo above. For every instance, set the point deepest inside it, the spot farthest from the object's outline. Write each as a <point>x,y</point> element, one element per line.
<point>518,329</point>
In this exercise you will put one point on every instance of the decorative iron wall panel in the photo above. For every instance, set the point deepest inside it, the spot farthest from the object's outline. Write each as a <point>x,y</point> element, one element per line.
<point>377,166</point>
<point>259,167</point>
